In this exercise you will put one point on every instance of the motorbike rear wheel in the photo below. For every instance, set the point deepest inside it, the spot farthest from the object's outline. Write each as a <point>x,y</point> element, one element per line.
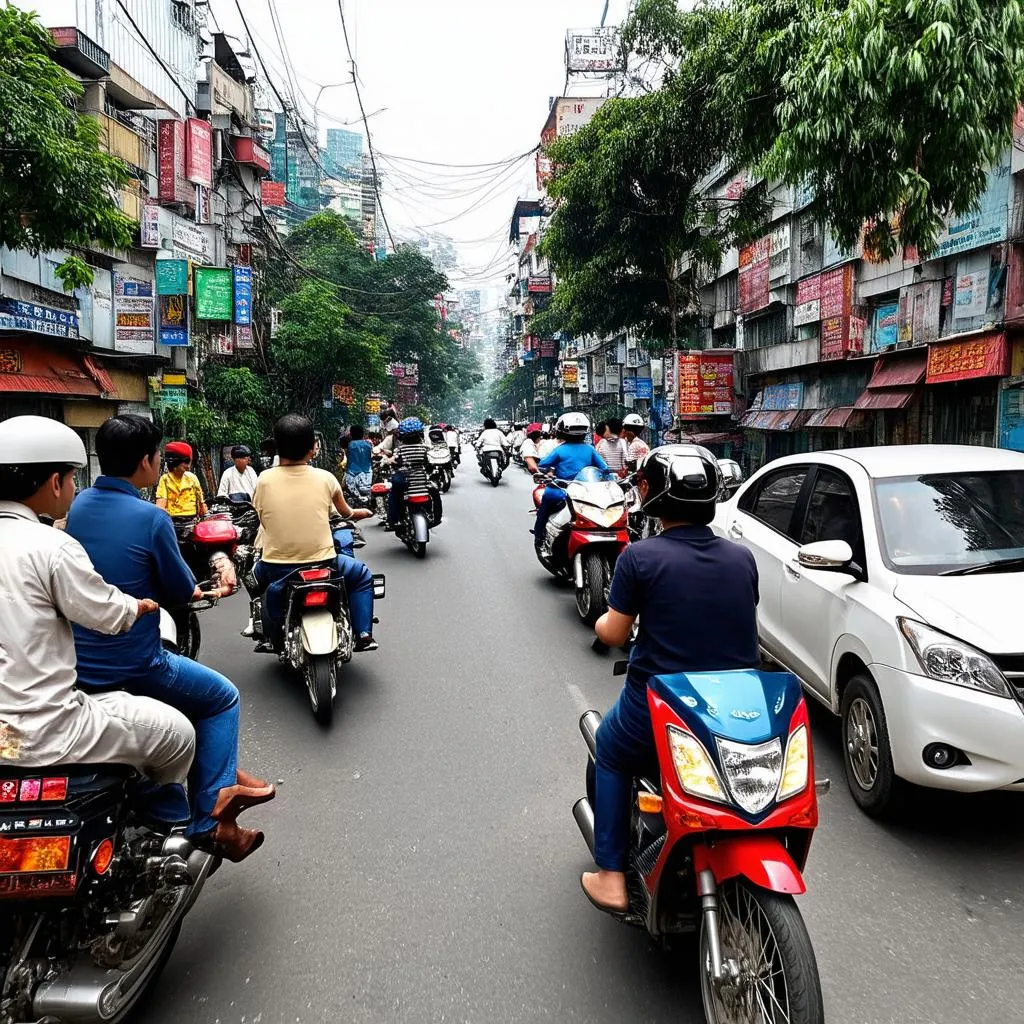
<point>763,937</point>
<point>321,673</point>
<point>420,548</point>
<point>592,598</point>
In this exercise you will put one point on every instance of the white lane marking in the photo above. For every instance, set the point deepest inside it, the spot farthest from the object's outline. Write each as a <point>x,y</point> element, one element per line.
<point>578,698</point>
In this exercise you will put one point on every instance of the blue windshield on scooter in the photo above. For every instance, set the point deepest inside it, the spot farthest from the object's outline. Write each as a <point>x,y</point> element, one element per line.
<point>589,475</point>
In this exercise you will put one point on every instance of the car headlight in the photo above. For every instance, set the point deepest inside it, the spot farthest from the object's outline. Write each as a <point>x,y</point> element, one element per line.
<point>952,661</point>
<point>694,768</point>
<point>606,517</point>
<point>794,768</point>
<point>752,771</point>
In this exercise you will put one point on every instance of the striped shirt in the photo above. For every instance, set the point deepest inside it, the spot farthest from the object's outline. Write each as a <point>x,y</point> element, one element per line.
<point>412,459</point>
<point>614,451</point>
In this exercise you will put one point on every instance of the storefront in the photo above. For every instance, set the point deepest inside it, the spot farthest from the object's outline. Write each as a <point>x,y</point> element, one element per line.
<point>891,407</point>
<point>963,389</point>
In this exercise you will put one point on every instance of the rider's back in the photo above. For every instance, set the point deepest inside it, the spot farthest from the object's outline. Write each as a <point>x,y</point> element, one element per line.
<point>294,505</point>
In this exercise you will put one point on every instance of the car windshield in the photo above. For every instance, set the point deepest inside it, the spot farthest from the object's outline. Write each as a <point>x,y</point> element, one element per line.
<point>945,522</point>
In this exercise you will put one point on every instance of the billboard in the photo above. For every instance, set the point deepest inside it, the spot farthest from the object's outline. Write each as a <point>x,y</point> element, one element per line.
<point>172,185</point>
<point>199,152</point>
<point>272,193</point>
<point>705,383</point>
<point>214,293</point>
<point>988,222</point>
<point>134,329</point>
<point>593,50</point>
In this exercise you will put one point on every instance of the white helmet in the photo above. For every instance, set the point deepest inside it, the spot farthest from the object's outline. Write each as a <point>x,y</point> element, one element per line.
<point>633,419</point>
<point>573,424</point>
<point>38,440</point>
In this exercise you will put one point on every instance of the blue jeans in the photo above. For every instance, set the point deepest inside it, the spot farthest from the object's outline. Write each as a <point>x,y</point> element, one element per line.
<point>553,500</point>
<point>210,702</point>
<point>396,496</point>
<point>358,586</point>
<point>625,749</point>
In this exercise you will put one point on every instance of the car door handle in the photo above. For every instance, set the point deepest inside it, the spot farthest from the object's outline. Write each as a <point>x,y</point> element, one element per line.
<point>793,571</point>
<point>735,531</point>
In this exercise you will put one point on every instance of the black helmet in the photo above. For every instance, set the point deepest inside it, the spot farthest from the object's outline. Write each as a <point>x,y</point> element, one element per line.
<point>683,481</point>
<point>241,451</point>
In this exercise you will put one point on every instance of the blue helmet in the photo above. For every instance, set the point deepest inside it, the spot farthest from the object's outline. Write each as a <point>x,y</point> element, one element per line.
<point>410,425</point>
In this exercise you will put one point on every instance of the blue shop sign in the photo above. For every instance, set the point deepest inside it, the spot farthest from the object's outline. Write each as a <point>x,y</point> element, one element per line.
<point>645,387</point>
<point>27,316</point>
<point>242,277</point>
<point>781,397</point>
<point>629,386</point>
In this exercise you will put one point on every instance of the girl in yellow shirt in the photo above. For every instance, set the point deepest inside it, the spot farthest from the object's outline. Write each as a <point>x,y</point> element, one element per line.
<point>179,490</point>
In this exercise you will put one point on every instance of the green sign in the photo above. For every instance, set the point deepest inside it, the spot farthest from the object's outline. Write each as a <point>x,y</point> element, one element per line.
<point>173,397</point>
<point>172,277</point>
<point>215,293</point>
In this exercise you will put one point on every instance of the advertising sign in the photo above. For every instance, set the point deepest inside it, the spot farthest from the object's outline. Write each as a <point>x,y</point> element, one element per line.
<point>644,387</point>
<point>629,386</point>
<point>272,193</point>
<point>172,277</point>
<point>149,227</point>
<point>971,296</point>
<point>782,397</point>
<point>987,356</point>
<point>199,152</point>
<point>986,223</point>
<point>570,375</point>
<point>808,301</point>
<point>754,287</point>
<point>134,327</point>
<point>886,323</point>
<point>583,376</point>
<point>191,240</point>
<point>612,377</point>
<point>243,338</point>
<point>173,186</point>
<point>28,316</point>
<point>835,306</point>
<point>343,394</point>
<point>592,50</point>
<point>222,345</point>
<point>573,113</point>
<point>539,285</point>
<point>705,383</point>
<point>174,320</point>
<point>242,278</point>
<point>920,307</point>
<point>214,293</point>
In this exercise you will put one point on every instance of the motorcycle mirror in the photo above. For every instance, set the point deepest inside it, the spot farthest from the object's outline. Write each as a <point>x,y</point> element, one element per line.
<point>621,668</point>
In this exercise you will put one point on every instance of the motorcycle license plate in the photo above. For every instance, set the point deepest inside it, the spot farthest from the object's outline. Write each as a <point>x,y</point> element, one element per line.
<point>34,854</point>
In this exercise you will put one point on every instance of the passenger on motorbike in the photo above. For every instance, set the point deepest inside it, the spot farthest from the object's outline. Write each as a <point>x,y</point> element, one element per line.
<point>696,597</point>
<point>412,471</point>
<point>133,546</point>
<point>47,583</point>
<point>612,448</point>
<point>294,502</point>
<point>632,425</point>
<point>491,439</point>
<point>451,436</point>
<point>238,481</point>
<point>179,490</point>
<point>565,462</point>
<point>529,450</point>
<point>359,474</point>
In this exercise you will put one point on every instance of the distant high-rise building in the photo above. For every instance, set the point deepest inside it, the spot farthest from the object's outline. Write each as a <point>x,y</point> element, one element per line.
<point>343,157</point>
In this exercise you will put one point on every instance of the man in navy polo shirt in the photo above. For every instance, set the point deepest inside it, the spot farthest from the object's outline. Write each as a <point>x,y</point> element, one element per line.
<point>133,546</point>
<point>696,597</point>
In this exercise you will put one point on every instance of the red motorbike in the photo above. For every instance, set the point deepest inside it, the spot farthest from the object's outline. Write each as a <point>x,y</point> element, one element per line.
<point>719,842</point>
<point>583,539</point>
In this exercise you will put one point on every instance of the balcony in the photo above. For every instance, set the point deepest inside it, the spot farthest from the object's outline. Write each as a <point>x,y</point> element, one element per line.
<point>75,50</point>
<point>130,200</point>
<point>120,141</point>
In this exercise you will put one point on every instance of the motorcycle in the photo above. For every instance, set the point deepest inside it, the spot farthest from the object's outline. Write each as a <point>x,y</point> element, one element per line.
<point>719,842</point>
<point>441,472</point>
<point>583,539</point>
<point>492,465</point>
<point>420,514</point>
<point>382,473</point>
<point>92,899</point>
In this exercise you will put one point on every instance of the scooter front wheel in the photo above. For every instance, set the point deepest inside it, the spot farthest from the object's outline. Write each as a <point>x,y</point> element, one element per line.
<point>770,975</point>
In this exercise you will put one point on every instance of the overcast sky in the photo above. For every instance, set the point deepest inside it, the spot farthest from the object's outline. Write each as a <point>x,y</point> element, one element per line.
<point>463,81</point>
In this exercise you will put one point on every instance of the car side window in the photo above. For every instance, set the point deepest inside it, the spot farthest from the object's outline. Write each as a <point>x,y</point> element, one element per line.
<point>775,500</point>
<point>833,513</point>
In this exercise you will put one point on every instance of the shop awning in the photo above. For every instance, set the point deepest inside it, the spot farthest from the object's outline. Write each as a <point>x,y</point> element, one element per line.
<point>791,419</point>
<point>832,419</point>
<point>748,417</point>
<point>704,438</point>
<point>26,367</point>
<point>899,370</point>
<point>887,398</point>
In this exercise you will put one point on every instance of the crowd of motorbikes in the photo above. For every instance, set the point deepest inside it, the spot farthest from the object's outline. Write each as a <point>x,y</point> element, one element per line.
<point>92,898</point>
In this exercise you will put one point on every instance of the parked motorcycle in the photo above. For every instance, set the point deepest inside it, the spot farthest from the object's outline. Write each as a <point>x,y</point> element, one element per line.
<point>719,842</point>
<point>492,465</point>
<point>420,514</point>
<point>91,898</point>
<point>583,539</point>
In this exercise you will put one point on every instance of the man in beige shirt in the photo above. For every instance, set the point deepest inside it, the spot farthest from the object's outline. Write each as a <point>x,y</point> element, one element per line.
<point>295,502</point>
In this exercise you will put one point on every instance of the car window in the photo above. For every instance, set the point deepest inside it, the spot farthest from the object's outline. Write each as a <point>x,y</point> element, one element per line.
<point>774,500</point>
<point>832,512</point>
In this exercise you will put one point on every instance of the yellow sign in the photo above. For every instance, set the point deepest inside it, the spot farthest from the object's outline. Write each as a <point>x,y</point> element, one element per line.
<point>174,378</point>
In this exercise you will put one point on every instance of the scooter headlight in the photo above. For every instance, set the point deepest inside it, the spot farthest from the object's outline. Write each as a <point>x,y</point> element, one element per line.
<point>606,517</point>
<point>694,768</point>
<point>795,768</point>
<point>753,772</point>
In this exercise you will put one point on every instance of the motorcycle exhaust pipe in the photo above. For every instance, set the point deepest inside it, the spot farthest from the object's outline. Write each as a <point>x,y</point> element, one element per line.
<point>584,815</point>
<point>588,727</point>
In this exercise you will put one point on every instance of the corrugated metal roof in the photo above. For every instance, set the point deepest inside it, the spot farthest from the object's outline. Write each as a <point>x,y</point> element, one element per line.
<point>818,418</point>
<point>35,383</point>
<point>899,370</point>
<point>100,375</point>
<point>839,419</point>
<point>887,398</point>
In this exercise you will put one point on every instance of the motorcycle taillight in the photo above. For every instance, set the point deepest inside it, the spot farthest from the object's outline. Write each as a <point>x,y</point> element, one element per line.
<point>313,575</point>
<point>314,599</point>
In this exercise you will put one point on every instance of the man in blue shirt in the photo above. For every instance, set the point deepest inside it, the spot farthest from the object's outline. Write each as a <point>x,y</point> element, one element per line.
<point>696,597</point>
<point>359,473</point>
<point>565,463</point>
<point>133,546</point>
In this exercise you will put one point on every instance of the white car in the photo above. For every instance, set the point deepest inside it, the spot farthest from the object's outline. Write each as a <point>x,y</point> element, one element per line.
<point>892,584</point>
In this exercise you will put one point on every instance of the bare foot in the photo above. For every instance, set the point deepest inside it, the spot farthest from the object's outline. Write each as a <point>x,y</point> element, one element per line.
<point>606,890</point>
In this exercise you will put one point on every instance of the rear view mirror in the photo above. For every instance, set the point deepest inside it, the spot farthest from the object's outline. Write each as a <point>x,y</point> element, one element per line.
<point>732,473</point>
<point>827,555</point>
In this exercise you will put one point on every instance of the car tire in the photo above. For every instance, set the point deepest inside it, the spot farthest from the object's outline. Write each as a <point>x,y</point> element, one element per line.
<point>867,755</point>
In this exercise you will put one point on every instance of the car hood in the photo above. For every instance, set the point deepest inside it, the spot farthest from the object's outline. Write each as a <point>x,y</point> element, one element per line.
<point>984,611</point>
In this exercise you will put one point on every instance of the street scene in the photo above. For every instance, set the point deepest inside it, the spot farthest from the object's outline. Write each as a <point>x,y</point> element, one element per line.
<point>508,519</point>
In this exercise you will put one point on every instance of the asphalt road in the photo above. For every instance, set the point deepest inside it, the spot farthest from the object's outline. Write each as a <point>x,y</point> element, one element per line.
<point>421,860</point>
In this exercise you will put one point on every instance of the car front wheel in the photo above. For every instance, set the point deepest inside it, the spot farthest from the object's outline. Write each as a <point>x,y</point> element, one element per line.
<point>867,756</point>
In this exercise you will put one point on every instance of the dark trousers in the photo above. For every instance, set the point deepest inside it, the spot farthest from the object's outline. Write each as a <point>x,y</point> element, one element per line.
<point>552,501</point>
<point>399,485</point>
<point>625,749</point>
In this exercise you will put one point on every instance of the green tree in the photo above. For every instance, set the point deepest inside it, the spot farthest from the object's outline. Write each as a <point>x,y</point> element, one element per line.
<point>511,392</point>
<point>57,188</point>
<point>890,110</point>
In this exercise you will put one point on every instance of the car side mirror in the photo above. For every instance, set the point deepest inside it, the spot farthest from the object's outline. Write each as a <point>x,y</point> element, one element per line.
<point>826,556</point>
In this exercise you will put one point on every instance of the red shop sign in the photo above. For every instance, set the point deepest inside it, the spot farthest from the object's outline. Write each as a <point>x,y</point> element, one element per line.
<point>987,356</point>
<point>199,152</point>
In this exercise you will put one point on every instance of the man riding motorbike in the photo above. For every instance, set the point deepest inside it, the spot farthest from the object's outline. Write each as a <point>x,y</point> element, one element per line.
<point>491,439</point>
<point>238,481</point>
<point>565,463</point>
<point>637,449</point>
<point>696,596</point>
<point>410,462</point>
<point>133,546</point>
<point>47,583</point>
<point>294,502</point>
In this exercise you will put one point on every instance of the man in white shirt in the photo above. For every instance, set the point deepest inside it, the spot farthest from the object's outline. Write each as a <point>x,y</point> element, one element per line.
<point>46,583</point>
<point>491,439</point>
<point>238,481</point>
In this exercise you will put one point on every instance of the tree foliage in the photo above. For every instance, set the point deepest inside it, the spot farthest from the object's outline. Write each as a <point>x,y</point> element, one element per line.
<point>57,189</point>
